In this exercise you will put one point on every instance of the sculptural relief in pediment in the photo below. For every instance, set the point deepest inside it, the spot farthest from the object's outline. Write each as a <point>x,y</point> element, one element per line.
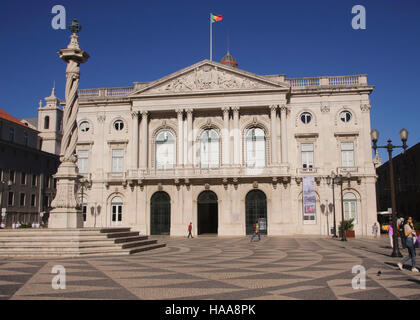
<point>209,78</point>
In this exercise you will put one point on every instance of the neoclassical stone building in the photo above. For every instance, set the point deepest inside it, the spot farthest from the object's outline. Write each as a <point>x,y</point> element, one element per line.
<point>221,147</point>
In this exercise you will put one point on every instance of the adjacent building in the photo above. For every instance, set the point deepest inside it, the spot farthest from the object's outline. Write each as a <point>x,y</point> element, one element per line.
<point>28,161</point>
<point>407,183</point>
<point>222,147</point>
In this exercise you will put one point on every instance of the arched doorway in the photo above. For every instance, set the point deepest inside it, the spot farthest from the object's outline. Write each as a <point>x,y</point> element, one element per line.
<point>160,213</point>
<point>255,208</point>
<point>207,212</point>
<point>116,211</point>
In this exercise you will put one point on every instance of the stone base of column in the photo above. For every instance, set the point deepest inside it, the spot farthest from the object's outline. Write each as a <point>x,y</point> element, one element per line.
<point>66,213</point>
<point>62,218</point>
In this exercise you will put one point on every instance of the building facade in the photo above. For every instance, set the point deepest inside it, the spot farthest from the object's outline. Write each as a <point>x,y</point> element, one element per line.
<point>221,147</point>
<point>407,184</point>
<point>27,186</point>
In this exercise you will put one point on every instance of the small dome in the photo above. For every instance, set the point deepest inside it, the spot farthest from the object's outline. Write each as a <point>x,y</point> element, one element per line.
<point>229,60</point>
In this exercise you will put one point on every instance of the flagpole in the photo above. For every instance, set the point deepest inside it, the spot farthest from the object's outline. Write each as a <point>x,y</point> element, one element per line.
<point>211,42</point>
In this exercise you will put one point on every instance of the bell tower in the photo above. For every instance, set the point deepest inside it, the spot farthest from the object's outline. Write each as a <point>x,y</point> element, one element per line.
<point>50,125</point>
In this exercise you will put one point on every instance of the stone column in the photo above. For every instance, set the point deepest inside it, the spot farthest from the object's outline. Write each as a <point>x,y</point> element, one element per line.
<point>226,137</point>
<point>66,212</point>
<point>190,137</point>
<point>273,134</point>
<point>284,158</point>
<point>236,136</point>
<point>144,139</point>
<point>180,142</point>
<point>135,140</point>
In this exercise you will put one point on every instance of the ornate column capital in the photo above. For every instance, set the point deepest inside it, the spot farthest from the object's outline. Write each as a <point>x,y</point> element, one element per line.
<point>284,108</point>
<point>365,107</point>
<point>235,109</point>
<point>134,114</point>
<point>144,113</point>
<point>189,111</point>
<point>179,111</point>
<point>273,107</point>
<point>325,108</point>
<point>225,110</point>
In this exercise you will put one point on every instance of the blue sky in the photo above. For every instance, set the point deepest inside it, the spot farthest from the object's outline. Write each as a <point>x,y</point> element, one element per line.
<point>145,40</point>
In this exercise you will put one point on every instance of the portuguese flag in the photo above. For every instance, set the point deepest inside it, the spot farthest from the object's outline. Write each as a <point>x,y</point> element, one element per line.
<point>215,17</point>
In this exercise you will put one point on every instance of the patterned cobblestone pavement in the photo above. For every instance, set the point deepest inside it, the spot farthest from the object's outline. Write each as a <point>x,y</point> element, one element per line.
<point>221,268</point>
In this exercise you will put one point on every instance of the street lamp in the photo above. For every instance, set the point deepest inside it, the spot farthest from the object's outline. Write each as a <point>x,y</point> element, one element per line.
<point>329,180</point>
<point>390,147</point>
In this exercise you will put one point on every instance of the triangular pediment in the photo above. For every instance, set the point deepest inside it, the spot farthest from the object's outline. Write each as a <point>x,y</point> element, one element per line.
<point>208,76</point>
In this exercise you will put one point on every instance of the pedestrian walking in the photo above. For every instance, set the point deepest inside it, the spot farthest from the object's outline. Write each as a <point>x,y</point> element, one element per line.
<point>190,230</point>
<point>375,230</point>
<point>401,232</point>
<point>256,229</point>
<point>391,234</point>
<point>410,234</point>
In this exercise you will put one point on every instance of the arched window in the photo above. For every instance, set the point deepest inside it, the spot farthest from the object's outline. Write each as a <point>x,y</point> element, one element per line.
<point>306,117</point>
<point>345,116</point>
<point>350,206</point>
<point>209,149</point>
<point>165,150</point>
<point>116,211</point>
<point>255,148</point>
<point>46,122</point>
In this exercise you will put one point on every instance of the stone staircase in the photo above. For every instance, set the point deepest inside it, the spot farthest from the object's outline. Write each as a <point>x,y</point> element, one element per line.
<point>73,242</point>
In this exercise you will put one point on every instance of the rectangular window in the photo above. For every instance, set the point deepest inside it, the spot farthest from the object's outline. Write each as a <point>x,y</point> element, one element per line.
<point>84,212</point>
<point>25,138</point>
<point>47,181</point>
<point>22,199</point>
<point>347,154</point>
<point>82,160</point>
<point>12,175</point>
<point>307,150</point>
<point>33,200</point>
<point>34,180</point>
<point>11,134</point>
<point>117,160</point>
<point>11,199</point>
<point>23,178</point>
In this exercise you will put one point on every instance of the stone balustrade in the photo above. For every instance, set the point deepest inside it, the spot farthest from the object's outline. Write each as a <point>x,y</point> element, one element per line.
<point>299,83</point>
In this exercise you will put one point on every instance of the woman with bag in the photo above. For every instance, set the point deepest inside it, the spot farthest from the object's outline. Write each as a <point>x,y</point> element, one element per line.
<point>410,234</point>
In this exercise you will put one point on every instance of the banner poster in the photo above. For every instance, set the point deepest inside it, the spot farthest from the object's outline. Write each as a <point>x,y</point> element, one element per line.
<point>309,200</point>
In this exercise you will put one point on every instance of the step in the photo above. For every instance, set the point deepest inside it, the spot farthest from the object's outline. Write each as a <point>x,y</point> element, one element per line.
<point>138,243</point>
<point>110,230</point>
<point>129,239</point>
<point>122,234</point>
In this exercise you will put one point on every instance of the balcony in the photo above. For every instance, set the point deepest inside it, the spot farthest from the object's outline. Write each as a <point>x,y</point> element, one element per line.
<point>307,170</point>
<point>344,170</point>
<point>197,173</point>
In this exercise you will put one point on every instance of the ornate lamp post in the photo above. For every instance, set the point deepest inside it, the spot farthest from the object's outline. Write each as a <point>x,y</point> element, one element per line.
<point>66,213</point>
<point>331,179</point>
<point>404,136</point>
